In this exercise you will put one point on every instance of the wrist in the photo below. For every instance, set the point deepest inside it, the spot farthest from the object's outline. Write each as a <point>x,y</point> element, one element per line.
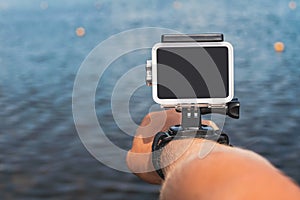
<point>141,165</point>
<point>183,143</point>
<point>178,152</point>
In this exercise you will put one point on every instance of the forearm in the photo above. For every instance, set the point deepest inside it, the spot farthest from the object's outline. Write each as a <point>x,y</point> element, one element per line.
<point>204,169</point>
<point>224,173</point>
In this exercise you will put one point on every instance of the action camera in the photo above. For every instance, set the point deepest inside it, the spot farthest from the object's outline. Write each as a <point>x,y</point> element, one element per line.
<point>192,72</point>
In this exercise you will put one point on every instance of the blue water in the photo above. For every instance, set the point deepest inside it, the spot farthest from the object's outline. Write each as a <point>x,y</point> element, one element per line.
<point>41,154</point>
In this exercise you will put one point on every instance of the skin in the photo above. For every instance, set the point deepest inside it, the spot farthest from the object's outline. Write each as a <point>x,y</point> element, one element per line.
<point>205,169</point>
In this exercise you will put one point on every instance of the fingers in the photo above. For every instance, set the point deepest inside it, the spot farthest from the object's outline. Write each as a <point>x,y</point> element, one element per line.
<point>161,121</point>
<point>210,123</point>
<point>158,121</point>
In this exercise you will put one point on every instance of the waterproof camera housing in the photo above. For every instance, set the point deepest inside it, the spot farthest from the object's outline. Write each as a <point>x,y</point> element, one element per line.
<point>191,72</point>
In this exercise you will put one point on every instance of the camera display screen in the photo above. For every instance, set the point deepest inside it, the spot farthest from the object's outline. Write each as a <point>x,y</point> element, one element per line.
<point>192,72</point>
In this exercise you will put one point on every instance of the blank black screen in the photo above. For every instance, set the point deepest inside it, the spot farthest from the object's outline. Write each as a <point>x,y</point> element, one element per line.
<point>192,72</point>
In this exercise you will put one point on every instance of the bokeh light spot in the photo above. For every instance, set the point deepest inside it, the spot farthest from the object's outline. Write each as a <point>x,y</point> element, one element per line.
<point>44,5</point>
<point>292,5</point>
<point>279,46</point>
<point>98,5</point>
<point>80,31</point>
<point>177,5</point>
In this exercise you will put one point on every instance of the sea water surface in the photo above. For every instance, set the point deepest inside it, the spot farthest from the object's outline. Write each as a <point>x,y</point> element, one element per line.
<point>41,154</point>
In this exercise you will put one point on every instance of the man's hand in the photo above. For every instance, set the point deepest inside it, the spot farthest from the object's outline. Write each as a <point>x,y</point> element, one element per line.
<point>139,157</point>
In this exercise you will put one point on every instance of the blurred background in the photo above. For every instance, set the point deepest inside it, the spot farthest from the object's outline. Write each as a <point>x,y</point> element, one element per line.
<point>43,43</point>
